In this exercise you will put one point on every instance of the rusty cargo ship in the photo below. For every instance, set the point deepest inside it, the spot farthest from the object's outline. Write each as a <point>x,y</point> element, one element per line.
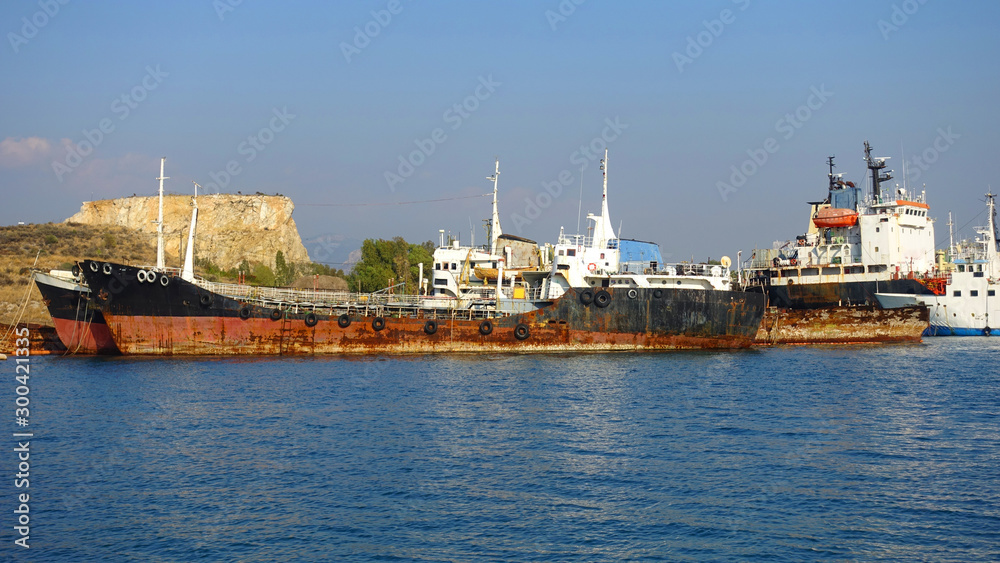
<point>591,293</point>
<point>821,287</point>
<point>176,317</point>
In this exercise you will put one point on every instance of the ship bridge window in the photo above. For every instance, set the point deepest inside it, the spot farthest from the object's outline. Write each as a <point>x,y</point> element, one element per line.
<point>974,293</point>
<point>961,268</point>
<point>562,252</point>
<point>958,293</point>
<point>437,265</point>
<point>991,293</point>
<point>440,281</point>
<point>571,252</point>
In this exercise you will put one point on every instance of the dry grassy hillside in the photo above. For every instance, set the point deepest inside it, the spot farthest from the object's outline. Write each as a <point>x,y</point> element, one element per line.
<point>58,246</point>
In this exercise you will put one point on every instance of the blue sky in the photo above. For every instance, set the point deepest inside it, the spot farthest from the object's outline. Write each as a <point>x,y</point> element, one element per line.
<point>320,101</point>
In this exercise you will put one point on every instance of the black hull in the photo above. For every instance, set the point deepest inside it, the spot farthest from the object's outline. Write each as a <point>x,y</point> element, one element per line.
<point>819,295</point>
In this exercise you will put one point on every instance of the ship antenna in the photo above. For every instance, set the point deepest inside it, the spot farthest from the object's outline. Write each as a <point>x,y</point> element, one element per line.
<point>829,161</point>
<point>876,165</point>
<point>495,231</point>
<point>951,238</point>
<point>992,226</point>
<point>902,155</point>
<point>607,231</point>
<point>159,222</point>
<point>579,210</point>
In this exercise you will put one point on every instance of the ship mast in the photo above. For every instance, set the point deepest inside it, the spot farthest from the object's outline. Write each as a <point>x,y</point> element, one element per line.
<point>876,164</point>
<point>603,231</point>
<point>991,233</point>
<point>833,183</point>
<point>159,221</point>
<point>495,231</point>
<point>187,272</point>
<point>604,196</point>
<point>951,238</point>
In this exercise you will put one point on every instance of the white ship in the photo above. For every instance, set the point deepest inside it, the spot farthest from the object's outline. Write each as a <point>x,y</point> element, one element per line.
<point>964,302</point>
<point>857,244</point>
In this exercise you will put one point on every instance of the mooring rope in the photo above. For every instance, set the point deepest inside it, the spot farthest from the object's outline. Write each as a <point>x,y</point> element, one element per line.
<point>20,315</point>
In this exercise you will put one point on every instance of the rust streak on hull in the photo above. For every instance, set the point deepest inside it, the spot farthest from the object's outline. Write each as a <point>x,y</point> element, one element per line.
<point>842,325</point>
<point>259,336</point>
<point>82,337</point>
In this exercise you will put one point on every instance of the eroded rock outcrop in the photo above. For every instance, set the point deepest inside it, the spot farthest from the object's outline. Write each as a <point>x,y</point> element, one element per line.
<point>231,228</point>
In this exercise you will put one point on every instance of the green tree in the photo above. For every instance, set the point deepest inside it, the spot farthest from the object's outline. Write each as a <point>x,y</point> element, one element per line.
<point>263,275</point>
<point>383,261</point>
<point>284,273</point>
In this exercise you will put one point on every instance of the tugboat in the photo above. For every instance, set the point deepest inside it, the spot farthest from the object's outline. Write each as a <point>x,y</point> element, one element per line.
<point>822,286</point>
<point>589,299</point>
<point>963,301</point>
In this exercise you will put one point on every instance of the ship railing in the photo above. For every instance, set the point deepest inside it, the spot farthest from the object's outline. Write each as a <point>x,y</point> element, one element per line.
<point>576,240</point>
<point>479,306</point>
<point>301,297</point>
<point>653,267</point>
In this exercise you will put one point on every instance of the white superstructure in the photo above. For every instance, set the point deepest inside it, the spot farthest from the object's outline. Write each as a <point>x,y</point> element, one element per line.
<point>518,272</point>
<point>965,301</point>
<point>857,242</point>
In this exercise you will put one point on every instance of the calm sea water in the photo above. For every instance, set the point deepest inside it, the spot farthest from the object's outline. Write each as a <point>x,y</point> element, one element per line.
<point>790,454</point>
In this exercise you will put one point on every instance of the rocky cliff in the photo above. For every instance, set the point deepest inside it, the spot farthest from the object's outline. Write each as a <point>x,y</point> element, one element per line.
<point>230,227</point>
